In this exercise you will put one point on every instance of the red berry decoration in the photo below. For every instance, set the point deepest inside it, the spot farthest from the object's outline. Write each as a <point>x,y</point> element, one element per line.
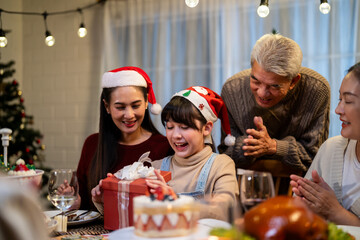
<point>15,82</point>
<point>27,150</point>
<point>160,194</point>
<point>38,141</point>
<point>21,167</point>
<point>21,100</point>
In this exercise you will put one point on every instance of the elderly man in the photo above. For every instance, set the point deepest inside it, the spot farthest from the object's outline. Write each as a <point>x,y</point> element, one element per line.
<point>277,109</point>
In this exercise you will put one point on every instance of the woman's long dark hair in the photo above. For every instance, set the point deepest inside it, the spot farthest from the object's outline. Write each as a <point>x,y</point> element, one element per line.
<point>106,157</point>
<point>182,111</point>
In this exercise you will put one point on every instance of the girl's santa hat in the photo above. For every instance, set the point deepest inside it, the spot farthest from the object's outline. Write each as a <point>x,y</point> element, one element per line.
<point>131,76</point>
<point>211,106</point>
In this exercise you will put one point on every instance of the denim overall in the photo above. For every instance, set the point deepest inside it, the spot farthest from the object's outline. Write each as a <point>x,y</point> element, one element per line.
<point>200,186</point>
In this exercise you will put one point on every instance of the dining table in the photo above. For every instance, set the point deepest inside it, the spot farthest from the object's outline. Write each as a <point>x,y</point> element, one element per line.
<point>91,230</point>
<point>95,231</point>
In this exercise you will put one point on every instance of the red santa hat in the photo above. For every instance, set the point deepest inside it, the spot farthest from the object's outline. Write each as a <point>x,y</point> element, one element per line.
<point>211,106</point>
<point>131,76</point>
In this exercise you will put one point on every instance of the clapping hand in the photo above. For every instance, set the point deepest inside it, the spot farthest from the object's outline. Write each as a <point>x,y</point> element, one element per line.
<point>258,142</point>
<point>317,194</point>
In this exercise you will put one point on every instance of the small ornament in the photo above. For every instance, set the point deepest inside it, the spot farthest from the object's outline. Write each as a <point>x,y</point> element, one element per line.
<point>27,150</point>
<point>19,92</point>
<point>23,114</point>
<point>15,83</point>
<point>43,147</point>
<point>22,126</point>
<point>38,141</point>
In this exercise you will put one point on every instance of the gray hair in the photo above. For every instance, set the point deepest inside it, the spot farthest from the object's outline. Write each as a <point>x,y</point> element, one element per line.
<point>278,54</point>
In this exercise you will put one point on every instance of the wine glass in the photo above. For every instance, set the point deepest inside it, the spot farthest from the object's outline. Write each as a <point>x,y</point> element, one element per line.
<point>255,187</point>
<point>63,188</point>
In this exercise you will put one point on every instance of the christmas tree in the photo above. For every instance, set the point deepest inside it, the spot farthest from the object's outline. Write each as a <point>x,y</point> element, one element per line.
<point>25,141</point>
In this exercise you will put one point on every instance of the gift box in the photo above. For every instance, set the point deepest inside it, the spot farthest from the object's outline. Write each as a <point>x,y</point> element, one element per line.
<point>118,195</point>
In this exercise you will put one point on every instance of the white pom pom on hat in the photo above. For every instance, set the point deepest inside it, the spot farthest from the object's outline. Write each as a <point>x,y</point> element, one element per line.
<point>211,106</point>
<point>131,76</point>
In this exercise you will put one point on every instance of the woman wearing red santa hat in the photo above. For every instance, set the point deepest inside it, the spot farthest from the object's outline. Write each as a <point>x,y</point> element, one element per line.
<point>195,169</point>
<point>125,130</point>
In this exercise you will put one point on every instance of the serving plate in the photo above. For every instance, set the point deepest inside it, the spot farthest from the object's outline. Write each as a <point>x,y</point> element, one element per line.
<point>202,232</point>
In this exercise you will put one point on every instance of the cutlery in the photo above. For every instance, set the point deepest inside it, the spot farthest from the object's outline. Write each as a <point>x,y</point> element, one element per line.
<point>83,215</point>
<point>66,213</point>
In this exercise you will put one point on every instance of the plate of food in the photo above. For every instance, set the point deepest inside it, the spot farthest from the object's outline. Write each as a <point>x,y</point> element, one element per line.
<point>76,218</point>
<point>354,231</point>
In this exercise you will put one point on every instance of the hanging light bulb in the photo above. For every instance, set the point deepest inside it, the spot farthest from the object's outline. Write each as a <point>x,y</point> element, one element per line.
<point>3,39</point>
<point>192,3</point>
<point>82,31</point>
<point>324,7</point>
<point>263,9</point>
<point>49,39</point>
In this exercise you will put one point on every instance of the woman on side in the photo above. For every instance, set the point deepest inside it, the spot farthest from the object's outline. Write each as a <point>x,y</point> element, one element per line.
<point>125,130</point>
<point>331,186</point>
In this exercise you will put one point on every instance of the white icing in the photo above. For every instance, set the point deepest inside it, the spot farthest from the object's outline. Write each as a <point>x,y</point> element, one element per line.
<point>144,201</point>
<point>158,210</point>
<point>187,215</point>
<point>20,161</point>
<point>22,173</point>
<point>144,218</point>
<point>173,218</point>
<point>135,171</point>
<point>158,218</point>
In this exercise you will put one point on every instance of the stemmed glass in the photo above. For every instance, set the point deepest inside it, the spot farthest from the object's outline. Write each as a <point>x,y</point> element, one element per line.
<point>255,187</point>
<point>63,188</point>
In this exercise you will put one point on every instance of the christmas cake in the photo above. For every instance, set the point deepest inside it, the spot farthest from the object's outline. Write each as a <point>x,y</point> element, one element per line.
<point>21,169</point>
<point>164,215</point>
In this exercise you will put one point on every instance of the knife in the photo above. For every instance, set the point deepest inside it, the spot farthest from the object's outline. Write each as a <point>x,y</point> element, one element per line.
<point>83,215</point>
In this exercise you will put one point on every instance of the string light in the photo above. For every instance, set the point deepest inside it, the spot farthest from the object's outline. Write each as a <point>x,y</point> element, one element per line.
<point>192,3</point>
<point>82,30</point>
<point>49,39</point>
<point>263,10</point>
<point>324,7</point>
<point>3,39</point>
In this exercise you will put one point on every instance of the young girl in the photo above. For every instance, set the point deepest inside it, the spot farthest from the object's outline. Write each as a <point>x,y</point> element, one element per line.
<point>195,169</point>
<point>125,130</point>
